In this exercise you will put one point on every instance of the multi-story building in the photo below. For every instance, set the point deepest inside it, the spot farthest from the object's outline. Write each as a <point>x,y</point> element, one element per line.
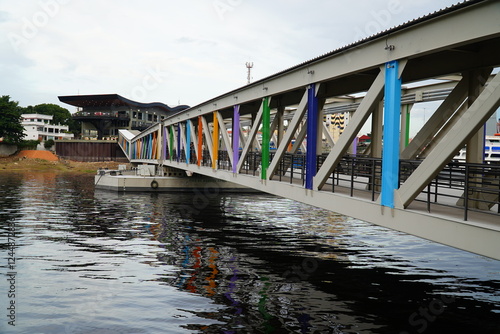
<point>101,116</point>
<point>40,127</point>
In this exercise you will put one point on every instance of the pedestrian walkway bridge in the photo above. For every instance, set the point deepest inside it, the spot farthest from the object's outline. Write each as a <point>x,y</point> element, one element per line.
<point>271,135</point>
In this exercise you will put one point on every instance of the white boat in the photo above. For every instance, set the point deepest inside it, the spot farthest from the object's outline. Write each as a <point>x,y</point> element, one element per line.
<point>145,178</point>
<point>491,150</point>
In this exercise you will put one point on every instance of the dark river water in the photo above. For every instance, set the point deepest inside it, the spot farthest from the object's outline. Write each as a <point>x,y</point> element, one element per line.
<point>75,260</point>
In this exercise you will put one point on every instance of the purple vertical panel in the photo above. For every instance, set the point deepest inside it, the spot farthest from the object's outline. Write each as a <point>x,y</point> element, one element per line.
<point>164,143</point>
<point>236,137</point>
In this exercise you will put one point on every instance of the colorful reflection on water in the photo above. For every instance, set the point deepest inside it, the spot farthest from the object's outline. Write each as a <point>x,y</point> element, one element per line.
<point>100,262</point>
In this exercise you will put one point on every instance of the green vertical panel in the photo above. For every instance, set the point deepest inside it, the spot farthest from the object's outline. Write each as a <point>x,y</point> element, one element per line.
<point>407,134</point>
<point>266,128</point>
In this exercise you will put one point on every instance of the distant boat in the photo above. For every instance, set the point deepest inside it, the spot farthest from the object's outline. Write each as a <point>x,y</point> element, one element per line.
<point>491,150</point>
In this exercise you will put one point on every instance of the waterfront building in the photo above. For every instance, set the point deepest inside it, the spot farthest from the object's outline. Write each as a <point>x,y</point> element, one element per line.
<point>40,127</point>
<point>101,116</point>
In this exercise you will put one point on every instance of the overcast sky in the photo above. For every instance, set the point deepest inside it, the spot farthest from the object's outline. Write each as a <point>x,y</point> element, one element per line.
<point>175,51</point>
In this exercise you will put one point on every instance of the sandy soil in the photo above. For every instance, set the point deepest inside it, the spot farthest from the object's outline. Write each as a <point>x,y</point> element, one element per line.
<point>48,161</point>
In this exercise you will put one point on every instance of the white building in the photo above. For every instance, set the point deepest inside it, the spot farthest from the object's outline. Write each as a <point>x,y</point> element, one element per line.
<point>40,127</point>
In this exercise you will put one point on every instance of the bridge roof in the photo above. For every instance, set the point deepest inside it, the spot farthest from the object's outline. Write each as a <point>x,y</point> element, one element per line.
<point>115,100</point>
<point>438,13</point>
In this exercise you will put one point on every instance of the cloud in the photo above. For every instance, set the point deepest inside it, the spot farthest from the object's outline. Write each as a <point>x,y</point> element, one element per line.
<point>201,46</point>
<point>4,16</point>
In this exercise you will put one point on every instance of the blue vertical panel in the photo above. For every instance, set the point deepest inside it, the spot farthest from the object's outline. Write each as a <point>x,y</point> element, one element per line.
<point>178,142</point>
<point>188,142</point>
<point>150,146</point>
<point>390,154</point>
<point>312,135</point>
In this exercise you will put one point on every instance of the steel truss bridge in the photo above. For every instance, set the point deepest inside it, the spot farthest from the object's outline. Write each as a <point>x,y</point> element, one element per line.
<point>410,186</point>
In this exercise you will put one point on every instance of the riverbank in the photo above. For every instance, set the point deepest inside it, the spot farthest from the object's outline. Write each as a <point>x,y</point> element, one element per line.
<point>46,161</point>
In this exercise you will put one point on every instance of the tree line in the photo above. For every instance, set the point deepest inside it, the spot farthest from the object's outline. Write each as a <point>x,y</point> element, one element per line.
<point>11,129</point>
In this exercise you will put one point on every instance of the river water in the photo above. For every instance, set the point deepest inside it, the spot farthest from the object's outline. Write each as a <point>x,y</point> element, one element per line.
<point>99,262</point>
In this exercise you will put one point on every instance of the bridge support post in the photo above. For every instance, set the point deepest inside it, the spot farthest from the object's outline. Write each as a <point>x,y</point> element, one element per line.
<point>215,141</point>
<point>312,135</point>
<point>178,142</point>
<point>390,154</point>
<point>475,145</point>
<point>236,137</point>
<point>171,146</point>
<point>376,140</point>
<point>266,128</point>
<point>405,126</point>
<point>279,114</point>
<point>188,142</point>
<point>164,142</point>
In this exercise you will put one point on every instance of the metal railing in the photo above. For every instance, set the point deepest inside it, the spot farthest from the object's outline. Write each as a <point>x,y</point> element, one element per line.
<point>468,187</point>
<point>465,186</point>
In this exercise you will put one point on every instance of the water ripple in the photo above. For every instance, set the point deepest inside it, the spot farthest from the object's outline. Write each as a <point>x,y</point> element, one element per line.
<point>101,262</point>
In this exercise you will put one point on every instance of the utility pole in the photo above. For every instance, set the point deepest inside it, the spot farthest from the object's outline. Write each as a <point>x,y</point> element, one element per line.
<point>249,67</point>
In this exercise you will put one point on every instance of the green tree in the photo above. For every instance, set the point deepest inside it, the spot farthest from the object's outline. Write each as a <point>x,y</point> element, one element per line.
<point>11,129</point>
<point>48,144</point>
<point>61,115</point>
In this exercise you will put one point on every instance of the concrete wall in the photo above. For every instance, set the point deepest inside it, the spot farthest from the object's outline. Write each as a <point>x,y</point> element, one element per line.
<point>89,150</point>
<point>7,150</point>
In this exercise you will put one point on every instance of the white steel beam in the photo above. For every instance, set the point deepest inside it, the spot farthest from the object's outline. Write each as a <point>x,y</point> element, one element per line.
<point>486,103</point>
<point>475,145</point>
<point>371,99</point>
<point>225,137</point>
<point>433,141</point>
<point>274,124</point>
<point>194,138</point>
<point>208,135</point>
<point>437,120</point>
<point>299,140</point>
<point>167,133</point>
<point>250,138</point>
<point>243,136</point>
<point>287,138</point>
<point>184,140</point>
<point>175,139</point>
<point>328,136</point>
<point>281,126</point>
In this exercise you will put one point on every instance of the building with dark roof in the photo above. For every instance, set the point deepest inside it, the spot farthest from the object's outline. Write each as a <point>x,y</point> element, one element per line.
<point>101,116</point>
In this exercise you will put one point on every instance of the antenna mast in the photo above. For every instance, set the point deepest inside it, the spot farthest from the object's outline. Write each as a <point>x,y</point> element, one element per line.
<point>249,67</point>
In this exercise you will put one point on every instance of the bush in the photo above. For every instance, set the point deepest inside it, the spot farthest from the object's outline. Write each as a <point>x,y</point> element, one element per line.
<point>28,145</point>
<point>48,144</point>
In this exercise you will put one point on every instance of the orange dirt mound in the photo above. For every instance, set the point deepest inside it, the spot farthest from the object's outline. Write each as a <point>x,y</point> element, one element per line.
<point>43,155</point>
